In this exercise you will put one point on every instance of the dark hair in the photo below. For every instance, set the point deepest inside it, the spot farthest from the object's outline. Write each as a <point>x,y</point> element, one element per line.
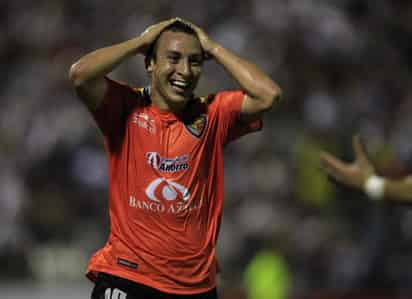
<point>177,26</point>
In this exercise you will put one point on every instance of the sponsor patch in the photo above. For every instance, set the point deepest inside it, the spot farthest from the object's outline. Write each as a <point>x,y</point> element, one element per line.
<point>178,163</point>
<point>197,127</point>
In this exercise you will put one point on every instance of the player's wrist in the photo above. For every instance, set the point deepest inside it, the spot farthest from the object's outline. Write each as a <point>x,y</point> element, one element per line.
<point>374,187</point>
<point>137,45</point>
<point>213,49</point>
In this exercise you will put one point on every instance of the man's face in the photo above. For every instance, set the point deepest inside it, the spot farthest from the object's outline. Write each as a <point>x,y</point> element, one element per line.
<point>176,68</point>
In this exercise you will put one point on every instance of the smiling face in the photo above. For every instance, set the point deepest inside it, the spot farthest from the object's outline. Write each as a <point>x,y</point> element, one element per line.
<point>175,69</point>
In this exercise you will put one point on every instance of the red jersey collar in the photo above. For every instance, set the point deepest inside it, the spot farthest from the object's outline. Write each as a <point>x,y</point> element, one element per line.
<point>165,116</point>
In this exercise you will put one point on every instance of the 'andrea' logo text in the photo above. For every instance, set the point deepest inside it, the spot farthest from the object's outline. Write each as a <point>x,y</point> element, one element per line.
<point>163,164</point>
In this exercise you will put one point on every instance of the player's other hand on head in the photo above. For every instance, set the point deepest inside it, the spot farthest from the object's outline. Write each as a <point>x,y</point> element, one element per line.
<point>208,45</point>
<point>352,174</point>
<point>151,33</point>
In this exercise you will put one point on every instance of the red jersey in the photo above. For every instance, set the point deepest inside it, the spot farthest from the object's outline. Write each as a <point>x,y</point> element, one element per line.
<point>165,187</point>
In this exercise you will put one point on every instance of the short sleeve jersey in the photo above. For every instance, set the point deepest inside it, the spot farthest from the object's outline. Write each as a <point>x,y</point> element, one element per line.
<point>165,187</point>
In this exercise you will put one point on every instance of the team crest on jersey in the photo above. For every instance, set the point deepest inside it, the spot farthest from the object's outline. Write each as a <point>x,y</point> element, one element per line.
<point>198,126</point>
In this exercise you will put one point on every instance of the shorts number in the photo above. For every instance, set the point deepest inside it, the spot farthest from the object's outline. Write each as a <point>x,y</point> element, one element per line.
<point>114,294</point>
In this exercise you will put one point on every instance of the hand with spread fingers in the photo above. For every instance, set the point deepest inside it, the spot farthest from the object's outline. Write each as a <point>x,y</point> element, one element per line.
<point>351,174</point>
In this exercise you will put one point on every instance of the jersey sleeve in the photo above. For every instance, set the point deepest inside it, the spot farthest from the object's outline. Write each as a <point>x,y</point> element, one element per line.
<point>112,114</point>
<point>228,106</point>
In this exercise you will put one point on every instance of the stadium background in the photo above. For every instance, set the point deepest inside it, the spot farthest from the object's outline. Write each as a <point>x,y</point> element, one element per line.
<point>344,66</point>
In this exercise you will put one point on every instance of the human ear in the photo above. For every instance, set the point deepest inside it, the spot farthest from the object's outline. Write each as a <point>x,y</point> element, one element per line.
<point>150,66</point>
<point>149,62</point>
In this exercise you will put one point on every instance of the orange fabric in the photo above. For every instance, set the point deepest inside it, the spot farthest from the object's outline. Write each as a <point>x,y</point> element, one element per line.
<point>165,188</point>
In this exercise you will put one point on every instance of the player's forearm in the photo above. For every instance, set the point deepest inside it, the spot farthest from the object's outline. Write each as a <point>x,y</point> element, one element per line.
<point>102,61</point>
<point>399,190</point>
<point>251,79</point>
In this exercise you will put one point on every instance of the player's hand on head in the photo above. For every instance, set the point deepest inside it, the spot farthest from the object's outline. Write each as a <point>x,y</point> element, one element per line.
<point>208,45</point>
<point>351,174</point>
<point>151,33</point>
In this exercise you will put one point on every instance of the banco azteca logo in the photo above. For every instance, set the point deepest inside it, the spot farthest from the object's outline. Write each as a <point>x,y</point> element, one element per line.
<point>163,164</point>
<point>164,189</point>
<point>165,196</point>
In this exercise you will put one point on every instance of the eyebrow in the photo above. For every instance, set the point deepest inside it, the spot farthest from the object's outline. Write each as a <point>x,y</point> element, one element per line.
<point>173,52</point>
<point>197,55</point>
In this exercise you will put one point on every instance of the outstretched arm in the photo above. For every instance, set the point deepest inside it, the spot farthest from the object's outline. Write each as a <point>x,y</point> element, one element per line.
<point>87,74</point>
<point>361,175</point>
<point>399,189</point>
<point>261,91</point>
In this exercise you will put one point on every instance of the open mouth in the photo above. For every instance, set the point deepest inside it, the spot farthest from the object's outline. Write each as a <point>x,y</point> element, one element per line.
<point>180,86</point>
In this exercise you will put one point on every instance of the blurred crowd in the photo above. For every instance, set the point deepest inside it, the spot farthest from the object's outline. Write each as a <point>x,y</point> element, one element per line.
<point>344,67</point>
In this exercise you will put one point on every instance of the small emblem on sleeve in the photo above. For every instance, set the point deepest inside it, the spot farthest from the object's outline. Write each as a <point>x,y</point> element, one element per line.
<point>126,263</point>
<point>197,127</point>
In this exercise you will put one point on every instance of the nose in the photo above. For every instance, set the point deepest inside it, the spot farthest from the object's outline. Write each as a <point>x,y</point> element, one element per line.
<point>184,68</point>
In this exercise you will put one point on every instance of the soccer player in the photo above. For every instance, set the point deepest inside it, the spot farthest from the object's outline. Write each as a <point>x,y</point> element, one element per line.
<point>165,154</point>
<point>361,175</point>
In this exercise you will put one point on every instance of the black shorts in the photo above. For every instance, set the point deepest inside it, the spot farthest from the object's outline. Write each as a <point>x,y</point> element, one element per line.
<point>113,287</point>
